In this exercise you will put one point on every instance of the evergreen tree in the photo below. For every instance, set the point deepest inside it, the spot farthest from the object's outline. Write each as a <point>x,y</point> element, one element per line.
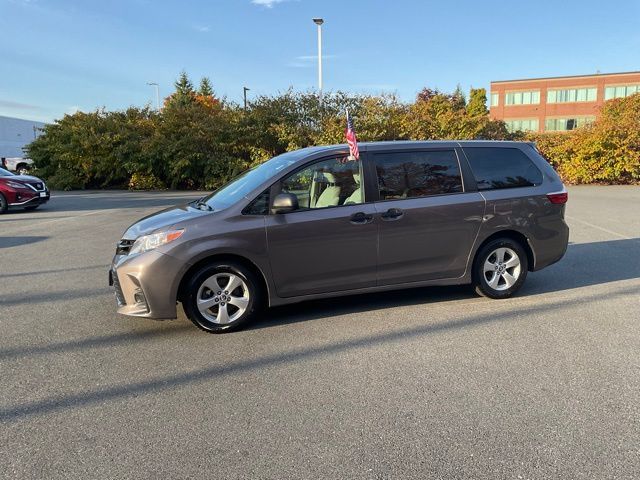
<point>184,94</point>
<point>477,105</point>
<point>458,101</point>
<point>183,84</point>
<point>205,87</point>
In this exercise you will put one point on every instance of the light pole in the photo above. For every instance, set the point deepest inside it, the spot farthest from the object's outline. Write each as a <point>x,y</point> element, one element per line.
<point>154,84</point>
<point>319,22</point>
<point>244,92</point>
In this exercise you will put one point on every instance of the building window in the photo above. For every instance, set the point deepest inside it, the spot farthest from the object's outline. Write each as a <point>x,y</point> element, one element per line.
<point>524,125</point>
<point>572,95</point>
<point>620,91</point>
<point>565,124</point>
<point>495,99</point>
<point>522,98</point>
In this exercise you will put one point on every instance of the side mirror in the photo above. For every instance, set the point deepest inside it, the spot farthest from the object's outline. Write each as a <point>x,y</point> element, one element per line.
<point>284,203</point>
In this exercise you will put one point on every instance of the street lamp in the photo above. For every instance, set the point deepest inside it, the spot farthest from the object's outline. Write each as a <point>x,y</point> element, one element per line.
<point>319,22</point>
<point>154,84</point>
<point>244,91</point>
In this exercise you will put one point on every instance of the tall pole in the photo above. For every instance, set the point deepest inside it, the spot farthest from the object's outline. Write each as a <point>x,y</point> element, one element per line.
<point>157,87</point>
<point>319,22</point>
<point>244,91</point>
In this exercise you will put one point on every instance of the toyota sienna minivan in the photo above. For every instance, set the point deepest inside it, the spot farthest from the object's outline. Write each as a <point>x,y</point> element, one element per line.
<point>316,223</point>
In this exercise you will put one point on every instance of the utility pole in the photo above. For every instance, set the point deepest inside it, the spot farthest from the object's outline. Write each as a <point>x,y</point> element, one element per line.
<point>319,22</point>
<point>154,84</point>
<point>244,92</point>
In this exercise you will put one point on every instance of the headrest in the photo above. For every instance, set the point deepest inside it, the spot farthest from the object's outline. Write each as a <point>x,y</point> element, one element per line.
<point>329,177</point>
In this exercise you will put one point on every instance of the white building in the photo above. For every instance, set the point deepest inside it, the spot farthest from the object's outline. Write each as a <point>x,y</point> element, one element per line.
<point>15,133</point>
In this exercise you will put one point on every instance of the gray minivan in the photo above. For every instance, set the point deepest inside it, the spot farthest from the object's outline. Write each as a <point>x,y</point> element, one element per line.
<point>317,223</point>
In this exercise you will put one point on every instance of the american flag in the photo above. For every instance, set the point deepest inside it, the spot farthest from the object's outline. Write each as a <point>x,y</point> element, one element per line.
<point>351,139</point>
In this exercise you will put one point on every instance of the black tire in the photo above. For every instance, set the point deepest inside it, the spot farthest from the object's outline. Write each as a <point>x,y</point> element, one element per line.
<point>192,290</point>
<point>22,170</point>
<point>33,207</point>
<point>496,283</point>
<point>4,206</point>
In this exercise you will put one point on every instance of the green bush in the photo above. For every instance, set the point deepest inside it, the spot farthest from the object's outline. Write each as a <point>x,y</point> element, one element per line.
<point>140,181</point>
<point>200,142</point>
<point>608,151</point>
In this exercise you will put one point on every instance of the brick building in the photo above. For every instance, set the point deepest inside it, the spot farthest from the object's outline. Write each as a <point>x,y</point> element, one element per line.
<point>557,103</point>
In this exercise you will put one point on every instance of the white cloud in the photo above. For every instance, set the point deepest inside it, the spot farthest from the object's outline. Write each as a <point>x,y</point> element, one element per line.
<point>202,28</point>
<point>307,58</point>
<point>73,109</point>
<point>307,61</point>
<point>267,3</point>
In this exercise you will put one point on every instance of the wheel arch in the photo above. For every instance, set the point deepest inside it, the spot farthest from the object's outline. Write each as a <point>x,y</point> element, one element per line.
<point>224,257</point>
<point>513,235</point>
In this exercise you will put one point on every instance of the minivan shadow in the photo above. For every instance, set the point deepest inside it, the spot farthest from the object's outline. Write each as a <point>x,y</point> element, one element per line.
<point>7,242</point>
<point>583,265</point>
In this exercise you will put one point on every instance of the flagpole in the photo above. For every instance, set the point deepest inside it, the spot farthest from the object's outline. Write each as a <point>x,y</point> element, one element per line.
<point>319,22</point>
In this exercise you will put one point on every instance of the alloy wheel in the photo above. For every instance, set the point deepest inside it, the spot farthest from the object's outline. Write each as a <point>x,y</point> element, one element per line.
<point>501,268</point>
<point>223,298</point>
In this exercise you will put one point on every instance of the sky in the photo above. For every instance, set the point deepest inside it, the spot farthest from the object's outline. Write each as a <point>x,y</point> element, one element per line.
<point>60,56</point>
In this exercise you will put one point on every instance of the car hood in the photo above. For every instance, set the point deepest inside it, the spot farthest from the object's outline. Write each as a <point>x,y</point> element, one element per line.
<point>163,219</point>
<point>23,178</point>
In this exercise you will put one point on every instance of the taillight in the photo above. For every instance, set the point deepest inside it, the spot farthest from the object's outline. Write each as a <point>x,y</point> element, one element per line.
<point>558,197</point>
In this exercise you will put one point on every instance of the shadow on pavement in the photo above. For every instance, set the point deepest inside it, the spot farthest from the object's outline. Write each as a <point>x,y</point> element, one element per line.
<point>19,299</point>
<point>169,382</point>
<point>8,242</point>
<point>585,264</point>
<point>55,270</point>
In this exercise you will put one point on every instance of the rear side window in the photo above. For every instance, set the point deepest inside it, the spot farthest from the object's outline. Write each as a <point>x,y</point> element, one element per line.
<point>495,168</point>
<point>417,174</point>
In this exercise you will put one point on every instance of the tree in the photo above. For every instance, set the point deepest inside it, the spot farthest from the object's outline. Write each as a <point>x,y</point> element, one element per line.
<point>184,94</point>
<point>206,90</point>
<point>477,106</point>
<point>458,100</point>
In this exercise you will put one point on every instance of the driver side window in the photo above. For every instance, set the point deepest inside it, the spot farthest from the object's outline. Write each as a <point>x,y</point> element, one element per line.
<point>327,183</point>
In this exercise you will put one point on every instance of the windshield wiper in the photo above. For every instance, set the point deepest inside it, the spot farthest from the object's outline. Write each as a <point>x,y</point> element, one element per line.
<point>200,204</point>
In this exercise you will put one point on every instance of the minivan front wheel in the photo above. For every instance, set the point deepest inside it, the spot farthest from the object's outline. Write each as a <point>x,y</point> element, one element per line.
<point>221,297</point>
<point>500,268</point>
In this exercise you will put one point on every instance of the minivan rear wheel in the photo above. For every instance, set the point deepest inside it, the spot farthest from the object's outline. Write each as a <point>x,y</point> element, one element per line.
<point>221,297</point>
<point>500,268</point>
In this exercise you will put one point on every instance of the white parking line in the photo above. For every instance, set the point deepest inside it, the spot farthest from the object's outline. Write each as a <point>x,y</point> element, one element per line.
<point>606,230</point>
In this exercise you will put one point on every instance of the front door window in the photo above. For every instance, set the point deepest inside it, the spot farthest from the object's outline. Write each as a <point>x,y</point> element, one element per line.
<point>328,183</point>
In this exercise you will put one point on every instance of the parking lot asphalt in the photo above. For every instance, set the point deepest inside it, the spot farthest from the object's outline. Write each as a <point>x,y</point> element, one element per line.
<point>422,383</point>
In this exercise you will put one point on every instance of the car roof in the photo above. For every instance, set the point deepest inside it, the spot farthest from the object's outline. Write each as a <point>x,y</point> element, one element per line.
<point>407,144</point>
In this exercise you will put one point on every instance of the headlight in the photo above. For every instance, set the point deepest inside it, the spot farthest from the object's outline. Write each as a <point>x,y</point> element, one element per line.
<point>149,242</point>
<point>17,185</point>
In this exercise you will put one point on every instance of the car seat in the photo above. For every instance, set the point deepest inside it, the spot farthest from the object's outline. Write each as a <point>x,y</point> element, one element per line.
<point>356,196</point>
<point>331,194</point>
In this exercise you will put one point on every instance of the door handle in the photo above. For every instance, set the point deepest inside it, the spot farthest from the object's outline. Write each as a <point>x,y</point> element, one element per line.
<point>392,214</point>
<point>360,218</point>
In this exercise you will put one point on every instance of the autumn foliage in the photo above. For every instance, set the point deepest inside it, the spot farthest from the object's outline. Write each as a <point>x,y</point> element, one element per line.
<point>200,141</point>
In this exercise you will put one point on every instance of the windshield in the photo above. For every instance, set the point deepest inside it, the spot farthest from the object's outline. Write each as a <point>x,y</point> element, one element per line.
<point>245,183</point>
<point>5,173</point>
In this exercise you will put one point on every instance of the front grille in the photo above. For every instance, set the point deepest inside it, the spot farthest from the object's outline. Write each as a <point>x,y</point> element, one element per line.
<point>38,186</point>
<point>116,285</point>
<point>123,247</point>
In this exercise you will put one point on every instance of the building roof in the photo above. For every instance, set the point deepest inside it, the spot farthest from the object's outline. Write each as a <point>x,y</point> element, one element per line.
<point>567,76</point>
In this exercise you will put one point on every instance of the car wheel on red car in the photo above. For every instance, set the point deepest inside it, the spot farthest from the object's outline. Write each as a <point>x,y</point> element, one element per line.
<point>3,204</point>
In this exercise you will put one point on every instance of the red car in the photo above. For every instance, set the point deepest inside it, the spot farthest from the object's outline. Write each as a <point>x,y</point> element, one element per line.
<point>21,191</point>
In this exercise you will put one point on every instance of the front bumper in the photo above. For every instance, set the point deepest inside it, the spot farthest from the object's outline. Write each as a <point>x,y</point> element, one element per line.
<point>30,199</point>
<point>146,285</point>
